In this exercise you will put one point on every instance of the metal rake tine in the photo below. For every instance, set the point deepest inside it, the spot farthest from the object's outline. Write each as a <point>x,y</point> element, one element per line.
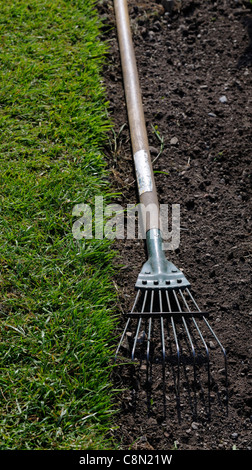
<point>162,325</point>
<point>136,300</point>
<point>208,325</point>
<point>191,343</point>
<point>185,325</point>
<point>127,324</point>
<point>162,337</point>
<point>150,325</point>
<point>175,338</point>
<point>173,326</point>
<point>201,336</point>
<point>122,338</point>
<point>222,348</point>
<point>138,327</point>
<point>215,336</point>
<point>135,340</point>
<point>195,323</point>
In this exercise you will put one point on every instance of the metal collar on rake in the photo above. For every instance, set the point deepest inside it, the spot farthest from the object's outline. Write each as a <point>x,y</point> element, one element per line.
<point>158,272</point>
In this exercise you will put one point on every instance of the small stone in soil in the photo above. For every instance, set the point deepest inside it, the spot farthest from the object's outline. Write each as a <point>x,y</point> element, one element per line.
<point>174,141</point>
<point>223,99</point>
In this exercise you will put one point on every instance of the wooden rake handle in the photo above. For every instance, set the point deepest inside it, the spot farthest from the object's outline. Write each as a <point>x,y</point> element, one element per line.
<point>139,140</point>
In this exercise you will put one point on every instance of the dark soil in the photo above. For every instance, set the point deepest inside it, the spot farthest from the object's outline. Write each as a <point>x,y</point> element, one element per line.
<point>188,60</point>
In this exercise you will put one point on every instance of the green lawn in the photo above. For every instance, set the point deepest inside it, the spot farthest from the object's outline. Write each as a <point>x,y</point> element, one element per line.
<point>57,301</point>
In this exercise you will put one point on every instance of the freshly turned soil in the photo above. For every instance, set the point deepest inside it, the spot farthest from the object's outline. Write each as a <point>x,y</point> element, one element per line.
<point>194,67</point>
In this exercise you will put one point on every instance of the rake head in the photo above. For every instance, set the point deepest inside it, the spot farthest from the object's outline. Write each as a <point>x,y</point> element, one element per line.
<point>179,317</point>
<point>167,327</point>
<point>165,322</point>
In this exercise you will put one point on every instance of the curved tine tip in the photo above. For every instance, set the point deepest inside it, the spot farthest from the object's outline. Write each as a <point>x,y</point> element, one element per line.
<point>207,353</point>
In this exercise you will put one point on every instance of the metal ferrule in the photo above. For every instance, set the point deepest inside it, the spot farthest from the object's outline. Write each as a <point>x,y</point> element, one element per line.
<point>158,272</point>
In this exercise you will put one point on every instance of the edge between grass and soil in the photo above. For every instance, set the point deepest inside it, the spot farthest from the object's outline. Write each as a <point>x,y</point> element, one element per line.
<point>57,301</point>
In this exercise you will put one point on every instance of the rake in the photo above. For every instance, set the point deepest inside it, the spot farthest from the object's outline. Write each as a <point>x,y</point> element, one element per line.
<point>163,295</point>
